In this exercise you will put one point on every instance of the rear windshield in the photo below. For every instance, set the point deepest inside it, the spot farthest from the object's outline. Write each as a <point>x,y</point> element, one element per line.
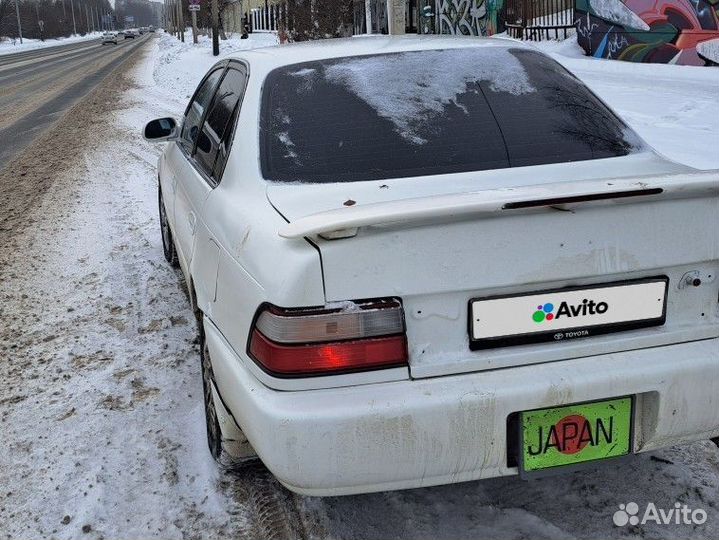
<point>430,112</point>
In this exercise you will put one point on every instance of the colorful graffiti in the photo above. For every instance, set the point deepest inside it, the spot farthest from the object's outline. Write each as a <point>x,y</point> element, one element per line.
<point>661,31</point>
<point>469,17</point>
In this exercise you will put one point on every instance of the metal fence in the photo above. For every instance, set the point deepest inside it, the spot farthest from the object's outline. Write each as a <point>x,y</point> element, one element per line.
<point>539,19</point>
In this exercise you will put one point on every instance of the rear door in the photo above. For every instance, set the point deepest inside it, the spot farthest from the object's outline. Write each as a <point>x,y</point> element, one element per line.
<point>202,173</point>
<point>190,189</point>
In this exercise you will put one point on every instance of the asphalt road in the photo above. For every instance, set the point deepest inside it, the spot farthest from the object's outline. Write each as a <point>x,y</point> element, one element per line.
<point>38,86</point>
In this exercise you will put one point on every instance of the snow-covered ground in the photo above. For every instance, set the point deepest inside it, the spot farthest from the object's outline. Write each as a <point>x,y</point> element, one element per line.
<point>9,45</point>
<point>100,390</point>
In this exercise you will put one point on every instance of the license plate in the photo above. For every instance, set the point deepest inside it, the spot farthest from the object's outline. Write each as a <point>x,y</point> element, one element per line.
<point>574,434</point>
<point>565,314</point>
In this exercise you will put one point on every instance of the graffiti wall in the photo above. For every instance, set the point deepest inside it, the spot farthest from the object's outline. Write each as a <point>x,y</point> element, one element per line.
<point>662,31</point>
<point>469,17</point>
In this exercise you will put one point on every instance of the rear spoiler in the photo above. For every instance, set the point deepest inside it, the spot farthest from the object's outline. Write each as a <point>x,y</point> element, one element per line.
<point>344,222</point>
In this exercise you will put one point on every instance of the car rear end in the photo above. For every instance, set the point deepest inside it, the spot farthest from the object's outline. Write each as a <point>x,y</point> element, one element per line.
<point>512,282</point>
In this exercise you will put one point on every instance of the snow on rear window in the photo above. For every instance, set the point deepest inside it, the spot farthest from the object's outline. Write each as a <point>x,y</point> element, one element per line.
<point>411,90</point>
<point>424,113</point>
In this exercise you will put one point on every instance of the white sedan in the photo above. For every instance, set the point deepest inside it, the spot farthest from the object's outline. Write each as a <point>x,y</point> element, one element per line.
<point>110,37</point>
<point>424,260</point>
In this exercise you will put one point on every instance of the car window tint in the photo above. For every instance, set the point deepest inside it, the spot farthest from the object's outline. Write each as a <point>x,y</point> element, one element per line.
<point>196,110</point>
<point>211,146</point>
<point>430,112</point>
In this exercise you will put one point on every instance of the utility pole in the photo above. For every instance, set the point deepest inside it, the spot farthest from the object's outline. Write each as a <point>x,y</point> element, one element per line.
<point>19,26</point>
<point>182,20</point>
<point>215,28</point>
<point>194,27</point>
<point>177,19</point>
<point>87,21</point>
<point>72,8</point>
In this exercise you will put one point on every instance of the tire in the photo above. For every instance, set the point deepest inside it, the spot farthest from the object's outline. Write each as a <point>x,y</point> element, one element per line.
<point>225,440</point>
<point>214,435</point>
<point>168,243</point>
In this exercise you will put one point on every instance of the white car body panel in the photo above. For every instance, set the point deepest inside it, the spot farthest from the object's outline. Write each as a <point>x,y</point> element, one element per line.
<point>443,418</point>
<point>409,434</point>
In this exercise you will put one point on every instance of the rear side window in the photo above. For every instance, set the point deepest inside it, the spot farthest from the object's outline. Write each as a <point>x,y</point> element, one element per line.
<point>196,110</point>
<point>430,112</point>
<point>212,145</point>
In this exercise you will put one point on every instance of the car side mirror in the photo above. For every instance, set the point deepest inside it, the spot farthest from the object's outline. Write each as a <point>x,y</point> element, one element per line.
<point>161,130</point>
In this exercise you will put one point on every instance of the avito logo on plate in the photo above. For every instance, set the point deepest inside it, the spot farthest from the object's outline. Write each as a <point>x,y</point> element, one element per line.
<point>545,312</point>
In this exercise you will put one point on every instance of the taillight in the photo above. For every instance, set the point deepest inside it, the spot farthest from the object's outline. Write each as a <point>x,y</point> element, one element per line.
<point>339,338</point>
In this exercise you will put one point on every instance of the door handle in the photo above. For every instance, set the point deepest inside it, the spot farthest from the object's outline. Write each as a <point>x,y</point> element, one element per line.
<point>192,220</point>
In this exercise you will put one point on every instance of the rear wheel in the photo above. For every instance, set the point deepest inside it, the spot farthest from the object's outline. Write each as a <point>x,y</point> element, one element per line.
<point>214,436</point>
<point>226,441</point>
<point>168,243</point>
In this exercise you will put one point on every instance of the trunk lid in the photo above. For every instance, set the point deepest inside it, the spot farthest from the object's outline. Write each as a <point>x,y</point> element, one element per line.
<point>440,242</point>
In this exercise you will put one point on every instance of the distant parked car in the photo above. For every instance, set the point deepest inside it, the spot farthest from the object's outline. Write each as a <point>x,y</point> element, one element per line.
<point>426,260</point>
<point>109,37</point>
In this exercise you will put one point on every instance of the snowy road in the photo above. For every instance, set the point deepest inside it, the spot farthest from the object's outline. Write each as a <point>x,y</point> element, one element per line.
<point>100,394</point>
<point>38,86</point>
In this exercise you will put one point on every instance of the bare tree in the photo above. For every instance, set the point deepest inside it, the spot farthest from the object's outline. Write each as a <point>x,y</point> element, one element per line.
<point>318,19</point>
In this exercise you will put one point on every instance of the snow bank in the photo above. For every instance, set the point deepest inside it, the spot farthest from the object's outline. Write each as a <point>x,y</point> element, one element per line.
<point>9,46</point>
<point>179,66</point>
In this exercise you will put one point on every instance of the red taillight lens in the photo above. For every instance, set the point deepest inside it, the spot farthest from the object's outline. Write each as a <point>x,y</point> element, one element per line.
<point>321,341</point>
<point>328,357</point>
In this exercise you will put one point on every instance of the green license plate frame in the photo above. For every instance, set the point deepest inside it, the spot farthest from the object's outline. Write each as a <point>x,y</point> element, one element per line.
<point>566,437</point>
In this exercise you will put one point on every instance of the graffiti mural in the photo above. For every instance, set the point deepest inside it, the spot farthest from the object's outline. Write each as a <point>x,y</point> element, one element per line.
<point>469,17</point>
<point>662,31</point>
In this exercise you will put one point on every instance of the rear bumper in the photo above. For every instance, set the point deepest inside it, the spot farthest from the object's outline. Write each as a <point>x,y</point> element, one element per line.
<point>415,433</point>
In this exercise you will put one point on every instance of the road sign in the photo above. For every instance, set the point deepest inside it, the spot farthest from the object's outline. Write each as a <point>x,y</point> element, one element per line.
<point>194,7</point>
